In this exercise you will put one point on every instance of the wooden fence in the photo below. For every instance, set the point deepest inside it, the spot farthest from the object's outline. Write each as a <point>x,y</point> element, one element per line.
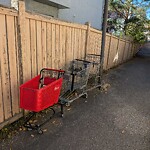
<point>30,42</point>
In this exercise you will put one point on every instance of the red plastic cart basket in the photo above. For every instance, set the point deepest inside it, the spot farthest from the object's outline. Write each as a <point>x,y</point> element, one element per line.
<point>34,99</point>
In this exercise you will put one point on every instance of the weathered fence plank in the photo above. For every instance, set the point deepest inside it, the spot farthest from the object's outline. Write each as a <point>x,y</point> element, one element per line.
<point>44,48</point>
<point>39,45</point>
<point>33,48</point>
<point>106,52</point>
<point>113,53</point>
<point>1,100</point>
<point>49,43</point>
<point>53,45</point>
<point>12,64</point>
<point>5,72</point>
<point>27,53</point>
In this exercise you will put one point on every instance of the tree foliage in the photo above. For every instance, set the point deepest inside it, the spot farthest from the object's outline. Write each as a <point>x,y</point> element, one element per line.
<point>128,17</point>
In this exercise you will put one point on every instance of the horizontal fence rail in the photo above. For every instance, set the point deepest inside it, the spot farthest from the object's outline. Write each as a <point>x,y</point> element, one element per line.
<point>29,42</point>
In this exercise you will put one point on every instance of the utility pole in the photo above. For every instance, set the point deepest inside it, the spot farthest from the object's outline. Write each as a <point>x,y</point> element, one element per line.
<point>104,27</point>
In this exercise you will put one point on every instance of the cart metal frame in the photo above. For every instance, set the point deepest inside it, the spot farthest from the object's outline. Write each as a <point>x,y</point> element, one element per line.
<point>76,80</point>
<point>94,74</point>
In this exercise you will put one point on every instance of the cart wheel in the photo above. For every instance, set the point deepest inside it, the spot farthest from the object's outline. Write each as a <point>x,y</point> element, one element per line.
<point>85,95</point>
<point>62,115</point>
<point>68,104</point>
<point>40,131</point>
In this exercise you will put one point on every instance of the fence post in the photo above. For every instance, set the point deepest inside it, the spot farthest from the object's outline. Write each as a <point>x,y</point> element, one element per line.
<point>87,38</point>
<point>21,22</point>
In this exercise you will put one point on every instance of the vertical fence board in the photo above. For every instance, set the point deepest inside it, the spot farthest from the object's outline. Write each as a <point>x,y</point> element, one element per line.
<point>57,53</point>
<point>71,45</point>
<point>106,52</point>
<point>75,44</point>
<point>126,52</point>
<point>53,46</point>
<point>17,60</point>
<point>129,52</point>
<point>27,53</point>
<point>49,43</point>
<point>60,47</point>
<point>44,48</point>
<point>113,56</point>
<point>64,46</point>
<point>79,44</point>
<point>39,45</point>
<point>12,64</point>
<point>132,52</point>
<point>68,47</point>
<point>1,99</point>
<point>91,44</point>
<point>72,42</point>
<point>5,69</point>
<point>83,43</point>
<point>120,51</point>
<point>124,48</point>
<point>33,48</point>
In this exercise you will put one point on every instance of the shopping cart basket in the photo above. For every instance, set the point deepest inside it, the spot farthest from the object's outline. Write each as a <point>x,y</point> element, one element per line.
<point>40,93</point>
<point>75,80</point>
<point>94,74</point>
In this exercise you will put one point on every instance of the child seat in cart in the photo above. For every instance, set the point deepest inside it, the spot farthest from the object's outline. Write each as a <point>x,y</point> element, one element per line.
<point>75,81</point>
<point>40,93</point>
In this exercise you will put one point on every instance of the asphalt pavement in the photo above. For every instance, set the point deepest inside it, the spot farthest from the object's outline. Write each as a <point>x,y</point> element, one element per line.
<point>117,119</point>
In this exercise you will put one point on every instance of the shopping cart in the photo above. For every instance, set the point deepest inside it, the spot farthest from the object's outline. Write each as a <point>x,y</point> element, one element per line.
<point>40,93</point>
<point>75,81</point>
<point>94,74</point>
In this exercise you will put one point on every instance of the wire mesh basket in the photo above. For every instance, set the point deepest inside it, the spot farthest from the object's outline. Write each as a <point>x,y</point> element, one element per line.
<point>79,71</point>
<point>94,76</point>
<point>75,80</point>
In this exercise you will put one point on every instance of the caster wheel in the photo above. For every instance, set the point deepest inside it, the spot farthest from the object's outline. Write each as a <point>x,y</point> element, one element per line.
<point>85,96</point>
<point>68,104</point>
<point>40,131</point>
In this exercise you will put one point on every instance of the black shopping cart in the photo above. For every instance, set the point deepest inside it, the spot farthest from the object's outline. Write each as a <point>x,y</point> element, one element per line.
<point>75,81</point>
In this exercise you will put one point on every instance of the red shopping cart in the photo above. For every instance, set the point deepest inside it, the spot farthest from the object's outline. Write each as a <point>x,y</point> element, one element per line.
<point>40,93</point>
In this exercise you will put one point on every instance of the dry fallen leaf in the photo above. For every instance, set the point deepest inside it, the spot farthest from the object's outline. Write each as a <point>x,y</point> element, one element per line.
<point>34,121</point>
<point>123,132</point>
<point>69,109</point>
<point>45,130</point>
<point>32,135</point>
<point>53,122</point>
<point>105,87</point>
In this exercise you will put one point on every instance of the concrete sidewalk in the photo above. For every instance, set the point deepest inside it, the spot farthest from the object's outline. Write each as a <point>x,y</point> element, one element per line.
<point>116,120</point>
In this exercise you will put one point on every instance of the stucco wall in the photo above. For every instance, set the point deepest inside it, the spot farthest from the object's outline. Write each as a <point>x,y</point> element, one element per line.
<point>5,2</point>
<point>82,11</point>
<point>41,8</point>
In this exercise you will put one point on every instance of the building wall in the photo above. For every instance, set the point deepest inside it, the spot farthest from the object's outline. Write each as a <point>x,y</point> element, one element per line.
<point>41,8</point>
<point>82,11</point>
<point>65,3</point>
<point>5,2</point>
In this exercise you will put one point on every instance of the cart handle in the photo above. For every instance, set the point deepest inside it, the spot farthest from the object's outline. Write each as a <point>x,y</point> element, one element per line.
<point>93,55</point>
<point>61,71</point>
<point>83,60</point>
